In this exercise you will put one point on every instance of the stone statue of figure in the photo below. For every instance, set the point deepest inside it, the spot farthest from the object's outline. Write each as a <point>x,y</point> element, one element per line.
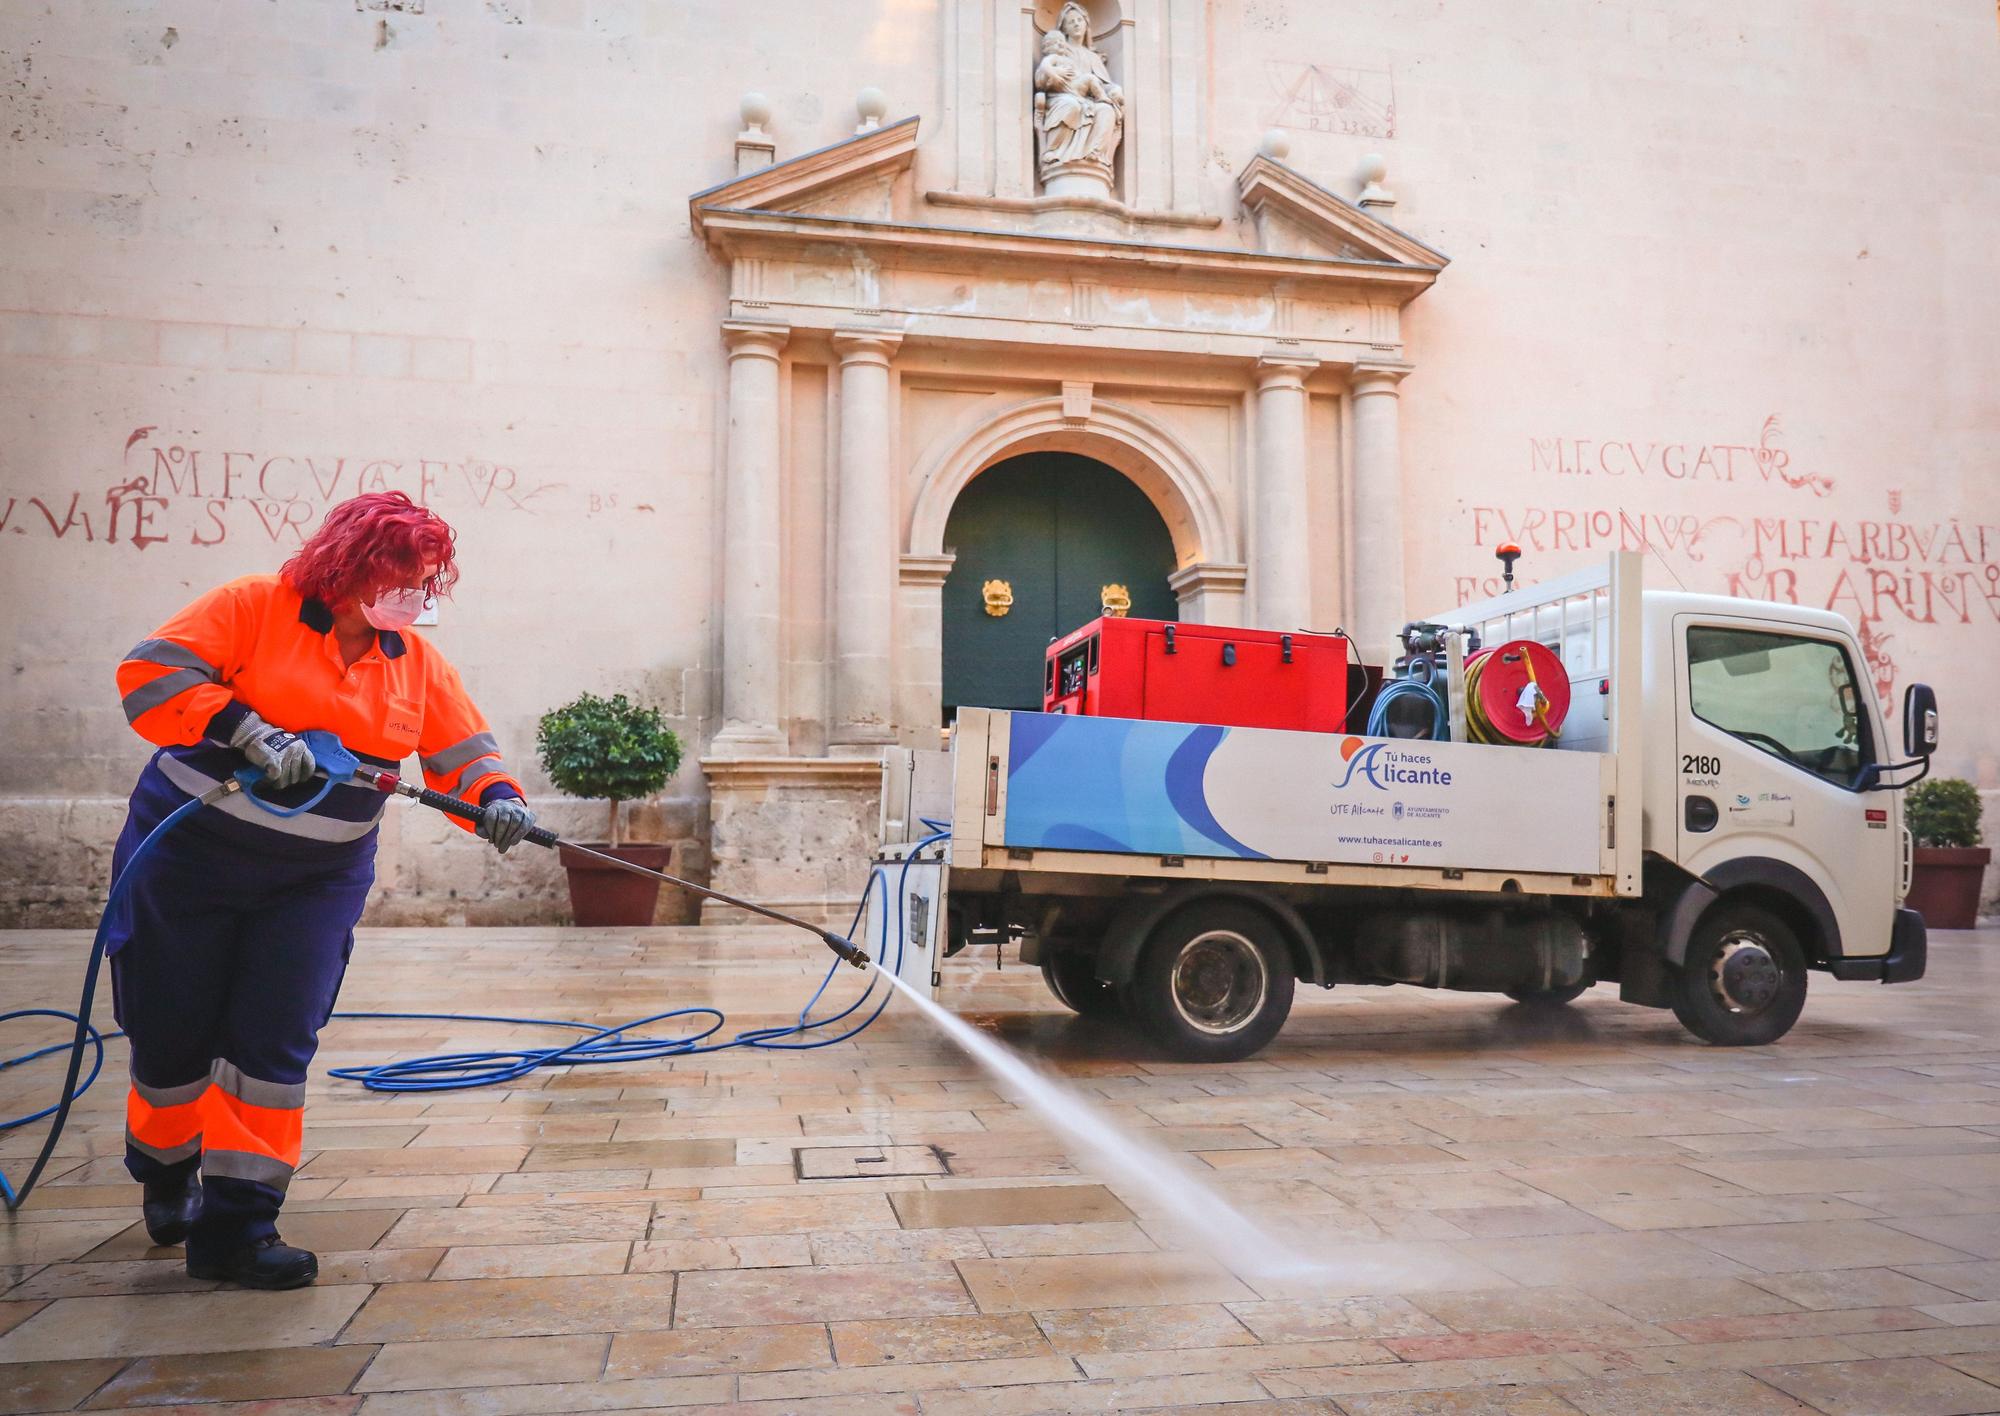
<point>1079,112</point>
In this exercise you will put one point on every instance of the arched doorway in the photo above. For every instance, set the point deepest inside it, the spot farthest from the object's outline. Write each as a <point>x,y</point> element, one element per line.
<point>1058,528</point>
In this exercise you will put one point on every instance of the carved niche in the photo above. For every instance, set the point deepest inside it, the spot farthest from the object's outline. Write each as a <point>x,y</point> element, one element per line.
<point>1079,111</point>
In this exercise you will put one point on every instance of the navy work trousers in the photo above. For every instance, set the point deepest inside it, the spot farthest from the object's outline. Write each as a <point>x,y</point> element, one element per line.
<point>227,953</point>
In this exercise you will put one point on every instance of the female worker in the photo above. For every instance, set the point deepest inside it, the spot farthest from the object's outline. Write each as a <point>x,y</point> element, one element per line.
<point>228,948</point>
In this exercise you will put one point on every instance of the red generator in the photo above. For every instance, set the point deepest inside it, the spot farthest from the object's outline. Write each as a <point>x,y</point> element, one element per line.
<point>1199,673</point>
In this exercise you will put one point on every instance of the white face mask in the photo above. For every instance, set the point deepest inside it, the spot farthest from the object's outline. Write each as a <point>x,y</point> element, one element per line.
<point>394,609</point>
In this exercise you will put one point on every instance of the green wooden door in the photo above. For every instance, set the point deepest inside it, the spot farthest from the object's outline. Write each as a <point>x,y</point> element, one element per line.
<point>1057,528</point>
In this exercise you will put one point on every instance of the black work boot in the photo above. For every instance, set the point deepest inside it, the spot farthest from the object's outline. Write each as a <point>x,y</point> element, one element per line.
<point>170,1207</point>
<point>263,1263</point>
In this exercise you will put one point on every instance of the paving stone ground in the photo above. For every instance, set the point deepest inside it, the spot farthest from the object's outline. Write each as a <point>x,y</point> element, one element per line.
<point>1579,1212</point>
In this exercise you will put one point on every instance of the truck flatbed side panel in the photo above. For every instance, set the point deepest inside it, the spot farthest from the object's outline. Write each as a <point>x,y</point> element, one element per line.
<point>1184,789</point>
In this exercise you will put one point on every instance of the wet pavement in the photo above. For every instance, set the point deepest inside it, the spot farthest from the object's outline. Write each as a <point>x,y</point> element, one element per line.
<point>1577,1211</point>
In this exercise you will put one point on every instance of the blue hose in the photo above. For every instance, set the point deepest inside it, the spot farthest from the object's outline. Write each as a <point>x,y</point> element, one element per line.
<point>86,1035</point>
<point>1397,689</point>
<point>452,1071</point>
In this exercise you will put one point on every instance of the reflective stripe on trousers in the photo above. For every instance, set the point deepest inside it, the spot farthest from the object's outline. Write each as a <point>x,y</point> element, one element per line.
<point>194,782</point>
<point>165,1122</point>
<point>231,952</point>
<point>242,1126</point>
<point>254,1127</point>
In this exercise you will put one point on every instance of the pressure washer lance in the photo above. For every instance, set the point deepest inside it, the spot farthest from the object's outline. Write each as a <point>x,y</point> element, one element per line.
<point>385,781</point>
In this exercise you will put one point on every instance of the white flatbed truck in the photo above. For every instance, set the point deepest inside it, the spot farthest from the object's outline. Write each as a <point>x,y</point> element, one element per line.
<point>1719,818</point>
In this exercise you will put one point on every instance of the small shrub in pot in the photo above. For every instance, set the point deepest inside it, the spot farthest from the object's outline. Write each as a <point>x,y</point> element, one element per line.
<point>1950,863</point>
<point>1943,812</point>
<point>620,751</point>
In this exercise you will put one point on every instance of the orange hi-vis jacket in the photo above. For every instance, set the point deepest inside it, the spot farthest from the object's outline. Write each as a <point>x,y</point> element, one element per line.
<point>255,645</point>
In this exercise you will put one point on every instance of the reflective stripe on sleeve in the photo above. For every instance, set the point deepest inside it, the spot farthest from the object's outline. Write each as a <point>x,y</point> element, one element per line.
<point>490,769</point>
<point>460,754</point>
<point>174,656</point>
<point>151,694</point>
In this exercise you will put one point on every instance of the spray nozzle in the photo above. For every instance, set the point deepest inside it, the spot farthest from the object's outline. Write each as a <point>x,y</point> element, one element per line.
<point>849,951</point>
<point>1507,555</point>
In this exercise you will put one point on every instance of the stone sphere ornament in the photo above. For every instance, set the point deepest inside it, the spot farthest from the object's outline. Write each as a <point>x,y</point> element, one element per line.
<point>756,111</point>
<point>1374,196</point>
<point>1276,144</point>
<point>873,106</point>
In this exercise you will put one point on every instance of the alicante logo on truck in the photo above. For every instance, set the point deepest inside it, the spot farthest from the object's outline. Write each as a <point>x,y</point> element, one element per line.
<point>1385,766</point>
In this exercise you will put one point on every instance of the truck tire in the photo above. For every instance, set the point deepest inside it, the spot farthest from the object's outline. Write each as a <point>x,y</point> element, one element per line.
<point>1072,977</point>
<point>1550,997</point>
<point>1213,984</point>
<point>1743,983</point>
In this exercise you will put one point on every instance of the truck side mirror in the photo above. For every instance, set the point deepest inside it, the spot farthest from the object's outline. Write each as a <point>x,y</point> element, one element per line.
<point>1920,721</point>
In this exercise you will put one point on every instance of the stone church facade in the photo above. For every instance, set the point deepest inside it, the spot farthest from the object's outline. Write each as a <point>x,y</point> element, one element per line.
<point>1027,306</point>
<point>702,353</point>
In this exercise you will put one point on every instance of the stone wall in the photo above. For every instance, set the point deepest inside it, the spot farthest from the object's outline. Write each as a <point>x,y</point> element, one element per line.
<point>1721,288</point>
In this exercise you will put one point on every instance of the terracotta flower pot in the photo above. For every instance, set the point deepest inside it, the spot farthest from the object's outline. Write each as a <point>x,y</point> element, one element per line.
<point>1944,886</point>
<point>603,895</point>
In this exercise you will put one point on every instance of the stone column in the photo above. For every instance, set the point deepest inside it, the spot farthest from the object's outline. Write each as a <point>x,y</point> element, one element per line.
<point>864,572</point>
<point>751,546</point>
<point>920,715</point>
<point>1210,592</point>
<point>1378,610</point>
<point>1281,572</point>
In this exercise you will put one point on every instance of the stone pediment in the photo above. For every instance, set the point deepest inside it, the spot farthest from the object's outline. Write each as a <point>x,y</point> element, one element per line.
<point>854,177</point>
<point>1295,214</point>
<point>854,182</point>
<point>840,237</point>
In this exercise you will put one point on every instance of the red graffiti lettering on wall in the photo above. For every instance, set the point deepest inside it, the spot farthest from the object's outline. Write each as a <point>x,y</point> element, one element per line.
<point>1594,529</point>
<point>1720,462</point>
<point>180,490</point>
<point>1903,570</point>
<point>1877,573</point>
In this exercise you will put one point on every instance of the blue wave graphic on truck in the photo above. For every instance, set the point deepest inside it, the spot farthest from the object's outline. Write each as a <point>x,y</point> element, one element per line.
<point>1114,784</point>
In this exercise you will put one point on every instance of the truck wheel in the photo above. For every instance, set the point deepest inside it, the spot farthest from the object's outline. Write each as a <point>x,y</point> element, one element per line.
<point>1072,977</point>
<point>1213,984</point>
<point>1549,997</point>
<point>1744,981</point>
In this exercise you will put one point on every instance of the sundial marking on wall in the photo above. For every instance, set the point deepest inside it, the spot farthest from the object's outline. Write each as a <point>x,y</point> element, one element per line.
<point>1319,98</point>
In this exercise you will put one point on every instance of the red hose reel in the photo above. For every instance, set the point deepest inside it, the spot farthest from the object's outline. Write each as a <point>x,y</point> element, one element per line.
<point>1517,693</point>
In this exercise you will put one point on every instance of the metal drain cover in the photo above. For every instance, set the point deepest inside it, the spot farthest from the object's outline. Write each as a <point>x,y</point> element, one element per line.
<point>866,1162</point>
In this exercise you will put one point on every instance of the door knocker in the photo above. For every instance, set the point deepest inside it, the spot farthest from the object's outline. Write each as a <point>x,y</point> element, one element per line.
<point>999,597</point>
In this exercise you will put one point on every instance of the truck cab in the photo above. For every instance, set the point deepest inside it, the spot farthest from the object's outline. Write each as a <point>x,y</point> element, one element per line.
<point>1717,819</point>
<point>1773,810</point>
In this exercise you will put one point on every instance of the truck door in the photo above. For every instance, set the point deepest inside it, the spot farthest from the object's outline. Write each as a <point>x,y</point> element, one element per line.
<point>1774,737</point>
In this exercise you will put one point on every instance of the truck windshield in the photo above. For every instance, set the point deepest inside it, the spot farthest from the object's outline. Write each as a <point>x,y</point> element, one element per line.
<point>1789,696</point>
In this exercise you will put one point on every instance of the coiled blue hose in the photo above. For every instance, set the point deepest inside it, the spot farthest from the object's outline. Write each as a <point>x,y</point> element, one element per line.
<point>452,1071</point>
<point>1396,690</point>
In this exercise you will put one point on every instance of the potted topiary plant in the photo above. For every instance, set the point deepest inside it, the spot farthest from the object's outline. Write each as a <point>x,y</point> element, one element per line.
<point>611,748</point>
<point>1943,817</point>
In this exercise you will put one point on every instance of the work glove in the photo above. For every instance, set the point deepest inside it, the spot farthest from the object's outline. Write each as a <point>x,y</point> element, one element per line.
<point>284,759</point>
<point>504,822</point>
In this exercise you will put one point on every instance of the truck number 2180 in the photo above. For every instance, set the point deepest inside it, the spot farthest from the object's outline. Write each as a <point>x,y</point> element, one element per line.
<point>1693,766</point>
